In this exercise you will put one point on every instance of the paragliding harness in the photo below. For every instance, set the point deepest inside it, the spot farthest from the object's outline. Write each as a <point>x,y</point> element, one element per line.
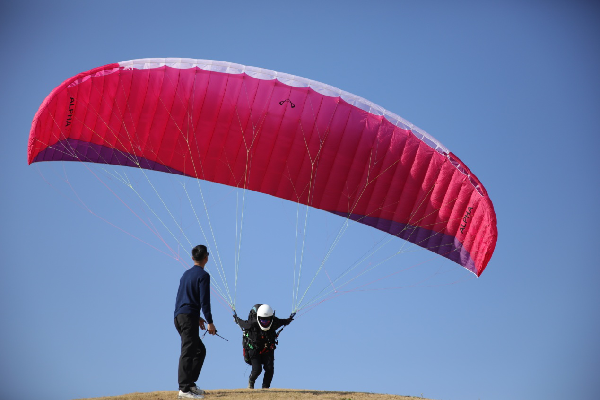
<point>258,340</point>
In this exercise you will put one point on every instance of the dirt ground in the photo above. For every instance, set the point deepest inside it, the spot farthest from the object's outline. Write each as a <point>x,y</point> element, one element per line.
<point>270,394</point>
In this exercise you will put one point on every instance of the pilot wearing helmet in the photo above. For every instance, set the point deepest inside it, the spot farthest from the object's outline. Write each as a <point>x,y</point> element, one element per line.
<point>260,340</point>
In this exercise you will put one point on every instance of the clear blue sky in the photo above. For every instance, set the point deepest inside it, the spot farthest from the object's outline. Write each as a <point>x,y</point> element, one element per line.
<point>511,87</point>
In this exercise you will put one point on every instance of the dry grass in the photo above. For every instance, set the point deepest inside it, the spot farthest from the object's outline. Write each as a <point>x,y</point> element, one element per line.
<point>270,394</point>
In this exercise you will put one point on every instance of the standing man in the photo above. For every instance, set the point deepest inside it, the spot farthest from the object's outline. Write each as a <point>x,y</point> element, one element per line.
<point>193,295</point>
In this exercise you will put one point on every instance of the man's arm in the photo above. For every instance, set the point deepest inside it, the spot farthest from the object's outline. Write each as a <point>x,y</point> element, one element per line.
<point>242,323</point>
<point>205,303</point>
<point>204,292</point>
<point>278,322</point>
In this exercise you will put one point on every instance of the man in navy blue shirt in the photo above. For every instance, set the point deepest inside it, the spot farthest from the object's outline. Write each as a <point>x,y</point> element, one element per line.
<point>193,295</point>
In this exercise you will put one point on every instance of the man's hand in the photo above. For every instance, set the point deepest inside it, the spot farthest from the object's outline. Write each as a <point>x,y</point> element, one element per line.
<point>201,323</point>
<point>290,319</point>
<point>211,329</point>
<point>236,318</point>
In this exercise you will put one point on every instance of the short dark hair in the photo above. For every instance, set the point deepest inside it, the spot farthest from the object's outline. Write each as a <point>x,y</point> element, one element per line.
<point>199,253</point>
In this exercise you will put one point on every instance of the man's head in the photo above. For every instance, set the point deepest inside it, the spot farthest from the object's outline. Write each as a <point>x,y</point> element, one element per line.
<point>200,255</point>
<point>264,317</point>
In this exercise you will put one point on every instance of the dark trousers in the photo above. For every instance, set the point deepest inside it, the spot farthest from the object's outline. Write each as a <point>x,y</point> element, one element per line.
<point>268,361</point>
<point>193,351</point>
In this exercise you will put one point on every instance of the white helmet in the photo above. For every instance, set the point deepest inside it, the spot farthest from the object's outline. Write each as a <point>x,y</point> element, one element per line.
<point>264,317</point>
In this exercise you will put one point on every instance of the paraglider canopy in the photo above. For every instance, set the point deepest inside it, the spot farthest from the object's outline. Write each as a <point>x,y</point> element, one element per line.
<point>274,133</point>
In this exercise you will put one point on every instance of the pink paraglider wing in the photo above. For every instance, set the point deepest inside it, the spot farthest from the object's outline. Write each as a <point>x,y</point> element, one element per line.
<point>274,133</point>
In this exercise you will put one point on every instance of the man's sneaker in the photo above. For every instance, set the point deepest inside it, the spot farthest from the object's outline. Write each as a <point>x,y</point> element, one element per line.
<point>250,384</point>
<point>196,390</point>
<point>189,395</point>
